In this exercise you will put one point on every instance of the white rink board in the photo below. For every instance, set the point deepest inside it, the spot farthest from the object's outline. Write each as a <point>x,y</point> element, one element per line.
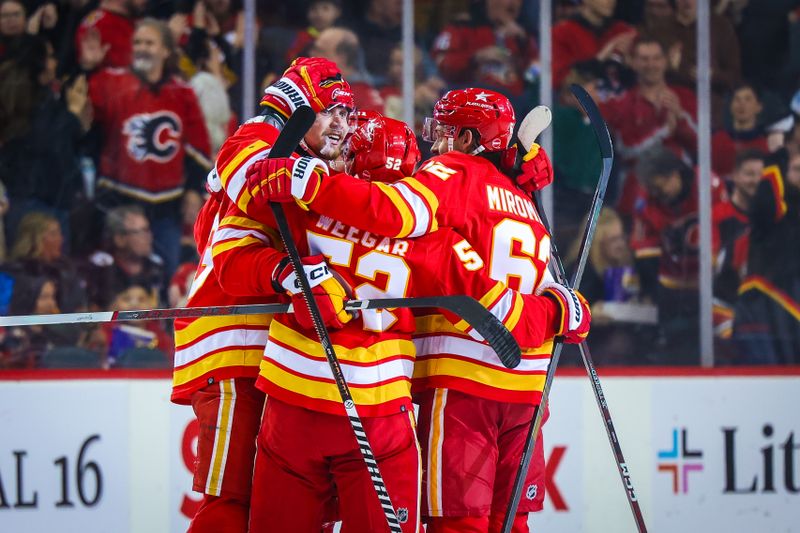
<point>736,461</point>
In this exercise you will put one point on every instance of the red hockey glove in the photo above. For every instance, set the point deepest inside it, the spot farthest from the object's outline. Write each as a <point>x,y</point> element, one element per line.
<point>536,172</point>
<point>328,292</point>
<point>284,179</point>
<point>308,81</point>
<point>573,324</point>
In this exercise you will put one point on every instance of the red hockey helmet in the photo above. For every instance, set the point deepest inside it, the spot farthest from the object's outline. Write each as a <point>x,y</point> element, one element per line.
<point>343,96</point>
<point>488,112</point>
<point>381,148</point>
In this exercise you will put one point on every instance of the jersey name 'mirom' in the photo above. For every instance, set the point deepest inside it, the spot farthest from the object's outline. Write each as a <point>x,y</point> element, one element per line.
<point>365,238</point>
<point>507,202</point>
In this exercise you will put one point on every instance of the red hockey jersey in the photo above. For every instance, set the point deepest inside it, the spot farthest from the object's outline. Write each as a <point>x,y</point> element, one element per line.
<point>215,348</point>
<point>454,52</point>
<point>575,40</point>
<point>639,125</point>
<point>148,131</point>
<point>375,350</point>
<point>470,195</point>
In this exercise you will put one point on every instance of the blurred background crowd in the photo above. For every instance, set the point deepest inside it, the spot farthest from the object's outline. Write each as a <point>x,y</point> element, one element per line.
<point>111,113</point>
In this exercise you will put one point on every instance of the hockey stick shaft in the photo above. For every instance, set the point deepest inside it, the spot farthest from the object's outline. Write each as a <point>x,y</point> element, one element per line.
<point>605,413</point>
<point>465,307</point>
<point>606,151</point>
<point>305,116</point>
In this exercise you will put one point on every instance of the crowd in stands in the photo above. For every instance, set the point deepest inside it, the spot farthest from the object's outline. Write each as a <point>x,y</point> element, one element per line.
<point>111,113</point>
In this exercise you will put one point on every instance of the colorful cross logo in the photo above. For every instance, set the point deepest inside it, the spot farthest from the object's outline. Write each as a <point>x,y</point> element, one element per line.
<point>680,463</point>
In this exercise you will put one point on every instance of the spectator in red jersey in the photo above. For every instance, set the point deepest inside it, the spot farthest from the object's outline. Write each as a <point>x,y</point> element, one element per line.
<point>341,46</point>
<point>104,37</point>
<point>649,114</point>
<point>730,237</point>
<point>592,34</point>
<point>155,142</point>
<point>321,14</point>
<point>678,34</point>
<point>379,31</point>
<point>743,130</point>
<point>665,244</point>
<point>487,48</point>
<point>129,259</point>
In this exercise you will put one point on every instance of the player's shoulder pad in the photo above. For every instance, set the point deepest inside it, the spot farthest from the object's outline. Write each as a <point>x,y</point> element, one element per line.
<point>101,259</point>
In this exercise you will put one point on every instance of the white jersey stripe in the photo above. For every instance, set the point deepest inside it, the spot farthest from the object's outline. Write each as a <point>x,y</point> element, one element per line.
<point>418,205</point>
<point>221,340</point>
<point>354,374</point>
<point>225,234</point>
<point>470,349</point>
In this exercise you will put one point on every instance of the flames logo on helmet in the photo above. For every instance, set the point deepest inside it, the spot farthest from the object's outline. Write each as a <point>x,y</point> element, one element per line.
<point>329,82</point>
<point>154,136</point>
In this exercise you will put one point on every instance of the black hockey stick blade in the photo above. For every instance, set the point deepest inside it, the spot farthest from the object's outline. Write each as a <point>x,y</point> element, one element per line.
<point>476,315</point>
<point>595,119</point>
<point>293,132</point>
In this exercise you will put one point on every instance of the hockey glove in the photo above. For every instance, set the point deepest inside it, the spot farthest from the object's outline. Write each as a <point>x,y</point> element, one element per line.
<point>573,324</point>
<point>310,81</point>
<point>328,292</point>
<point>285,179</point>
<point>536,171</point>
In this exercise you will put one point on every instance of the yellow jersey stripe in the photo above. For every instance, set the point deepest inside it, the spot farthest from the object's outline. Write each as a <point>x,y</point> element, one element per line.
<point>405,213</point>
<point>227,401</point>
<point>218,360</point>
<point>516,311</point>
<point>486,300</point>
<point>371,354</point>
<point>208,325</point>
<point>226,172</point>
<point>323,390</point>
<point>436,439</point>
<point>484,375</point>
<point>238,243</point>
<point>430,198</point>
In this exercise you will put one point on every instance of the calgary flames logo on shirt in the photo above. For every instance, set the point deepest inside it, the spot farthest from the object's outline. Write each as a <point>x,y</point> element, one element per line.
<point>154,136</point>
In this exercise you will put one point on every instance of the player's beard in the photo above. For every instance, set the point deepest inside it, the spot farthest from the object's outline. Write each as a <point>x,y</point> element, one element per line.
<point>331,149</point>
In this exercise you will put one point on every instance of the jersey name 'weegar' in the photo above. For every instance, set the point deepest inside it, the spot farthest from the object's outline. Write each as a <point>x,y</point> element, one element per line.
<point>365,238</point>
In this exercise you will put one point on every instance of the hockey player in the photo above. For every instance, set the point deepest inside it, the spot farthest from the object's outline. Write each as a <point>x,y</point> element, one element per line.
<point>465,396</point>
<point>217,358</point>
<point>306,445</point>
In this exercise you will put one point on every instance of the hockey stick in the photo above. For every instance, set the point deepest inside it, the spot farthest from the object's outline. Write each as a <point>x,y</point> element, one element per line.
<point>297,126</point>
<point>466,307</point>
<point>531,126</point>
<point>528,131</point>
